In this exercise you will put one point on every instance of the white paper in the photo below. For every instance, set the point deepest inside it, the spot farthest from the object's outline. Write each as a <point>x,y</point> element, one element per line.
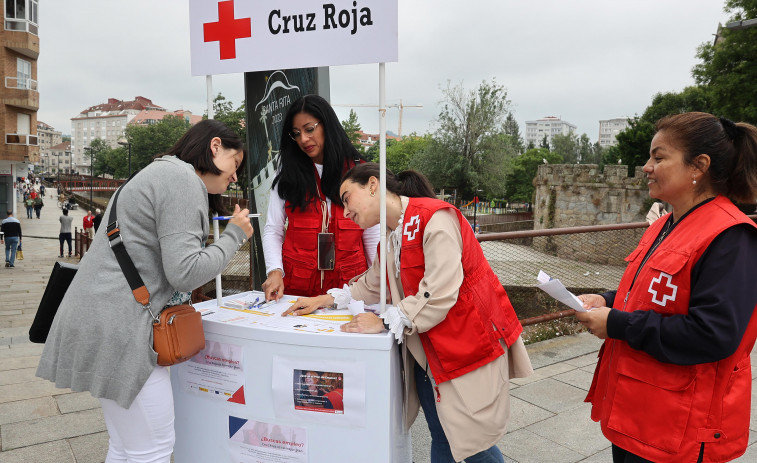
<point>258,442</point>
<point>286,380</point>
<point>556,289</point>
<point>216,372</point>
<point>245,310</point>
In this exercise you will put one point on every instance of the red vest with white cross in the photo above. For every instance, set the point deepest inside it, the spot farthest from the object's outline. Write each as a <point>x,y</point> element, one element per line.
<point>661,411</point>
<point>299,252</point>
<point>468,338</point>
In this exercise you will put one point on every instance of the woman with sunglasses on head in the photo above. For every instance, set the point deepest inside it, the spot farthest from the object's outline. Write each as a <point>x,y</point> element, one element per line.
<point>320,248</point>
<point>460,334</point>
<point>673,382</point>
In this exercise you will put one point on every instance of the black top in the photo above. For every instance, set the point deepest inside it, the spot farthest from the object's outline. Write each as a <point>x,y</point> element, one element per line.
<point>10,228</point>
<point>723,297</point>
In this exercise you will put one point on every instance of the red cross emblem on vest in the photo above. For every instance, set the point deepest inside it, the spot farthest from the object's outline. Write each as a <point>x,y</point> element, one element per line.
<point>227,30</point>
<point>662,293</point>
<point>414,221</point>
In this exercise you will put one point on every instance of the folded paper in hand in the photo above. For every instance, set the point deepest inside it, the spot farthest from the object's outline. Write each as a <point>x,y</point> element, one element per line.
<point>556,289</point>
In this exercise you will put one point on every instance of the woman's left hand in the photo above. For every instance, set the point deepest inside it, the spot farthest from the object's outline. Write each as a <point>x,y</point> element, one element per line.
<point>364,323</point>
<point>595,320</point>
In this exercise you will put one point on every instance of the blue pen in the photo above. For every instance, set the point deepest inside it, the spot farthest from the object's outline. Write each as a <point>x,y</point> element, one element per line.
<point>229,217</point>
<point>252,304</point>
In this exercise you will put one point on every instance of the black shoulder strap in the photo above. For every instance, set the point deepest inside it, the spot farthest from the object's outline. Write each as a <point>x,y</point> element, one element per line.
<point>116,241</point>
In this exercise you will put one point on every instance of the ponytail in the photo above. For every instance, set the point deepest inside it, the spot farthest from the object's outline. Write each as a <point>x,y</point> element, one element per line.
<point>408,183</point>
<point>742,183</point>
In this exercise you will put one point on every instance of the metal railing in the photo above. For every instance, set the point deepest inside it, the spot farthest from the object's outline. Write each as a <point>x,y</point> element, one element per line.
<point>21,84</point>
<point>20,139</point>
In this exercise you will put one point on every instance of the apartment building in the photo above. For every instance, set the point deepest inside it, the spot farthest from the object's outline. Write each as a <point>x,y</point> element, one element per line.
<point>57,159</point>
<point>47,136</point>
<point>549,126</point>
<point>609,129</point>
<point>19,98</point>
<point>106,121</point>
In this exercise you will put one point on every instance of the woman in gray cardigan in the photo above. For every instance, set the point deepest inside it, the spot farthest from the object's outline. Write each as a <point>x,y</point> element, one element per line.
<point>101,338</point>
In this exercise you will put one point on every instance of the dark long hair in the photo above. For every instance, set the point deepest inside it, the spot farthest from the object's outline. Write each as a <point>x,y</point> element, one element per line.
<point>295,179</point>
<point>732,148</point>
<point>194,148</point>
<point>407,183</point>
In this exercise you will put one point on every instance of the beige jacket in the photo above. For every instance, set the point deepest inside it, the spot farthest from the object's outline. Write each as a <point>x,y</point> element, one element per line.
<point>474,409</point>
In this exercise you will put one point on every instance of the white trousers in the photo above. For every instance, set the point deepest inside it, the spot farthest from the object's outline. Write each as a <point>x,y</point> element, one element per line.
<point>144,432</point>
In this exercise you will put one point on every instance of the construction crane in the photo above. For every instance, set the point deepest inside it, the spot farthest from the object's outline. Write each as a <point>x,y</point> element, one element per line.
<point>400,106</point>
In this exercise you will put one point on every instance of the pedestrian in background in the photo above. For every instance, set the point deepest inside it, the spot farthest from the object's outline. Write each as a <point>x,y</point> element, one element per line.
<point>29,203</point>
<point>98,218</point>
<point>674,382</point>
<point>65,231</point>
<point>88,223</point>
<point>11,229</point>
<point>38,205</point>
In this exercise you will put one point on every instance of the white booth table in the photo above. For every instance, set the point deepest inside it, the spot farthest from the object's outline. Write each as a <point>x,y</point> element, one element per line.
<point>287,389</point>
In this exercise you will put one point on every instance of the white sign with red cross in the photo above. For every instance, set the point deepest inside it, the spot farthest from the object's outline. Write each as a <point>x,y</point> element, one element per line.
<point>229,36</point>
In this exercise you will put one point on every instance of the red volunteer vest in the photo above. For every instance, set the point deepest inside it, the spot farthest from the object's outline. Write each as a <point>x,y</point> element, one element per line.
<point>300,250</point>
<point>469,337</point>
<point>661,411</point>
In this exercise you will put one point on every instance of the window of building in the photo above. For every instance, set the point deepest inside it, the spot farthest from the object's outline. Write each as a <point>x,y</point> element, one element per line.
<point>21,15</point>
<point>23,73</point>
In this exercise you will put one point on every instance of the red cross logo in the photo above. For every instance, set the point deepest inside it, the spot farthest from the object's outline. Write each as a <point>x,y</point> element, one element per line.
<point>656,288</point>
<point>227,30</point>
<point>414,220</point>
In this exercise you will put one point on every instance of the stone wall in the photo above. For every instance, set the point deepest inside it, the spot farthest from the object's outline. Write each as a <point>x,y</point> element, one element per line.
<point>574,195</point>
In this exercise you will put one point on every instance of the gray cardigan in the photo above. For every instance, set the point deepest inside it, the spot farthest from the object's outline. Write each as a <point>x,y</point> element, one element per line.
<point>101,338</point>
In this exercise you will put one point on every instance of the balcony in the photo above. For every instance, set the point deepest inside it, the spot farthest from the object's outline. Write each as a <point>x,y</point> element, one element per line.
<point>21,41</point>
<point>21,93</point>
<point>20,139</point>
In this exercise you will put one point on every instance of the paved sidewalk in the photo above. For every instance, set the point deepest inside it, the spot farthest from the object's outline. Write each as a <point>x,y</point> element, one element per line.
<point>40,424</point>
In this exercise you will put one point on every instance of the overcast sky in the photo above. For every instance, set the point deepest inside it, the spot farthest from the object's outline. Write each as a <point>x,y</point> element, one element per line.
<point>582,60</point>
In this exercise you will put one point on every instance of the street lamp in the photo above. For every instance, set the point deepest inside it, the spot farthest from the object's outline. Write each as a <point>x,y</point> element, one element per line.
<point>127,143</point>
<point>475,209</point>
<point>91,173</point>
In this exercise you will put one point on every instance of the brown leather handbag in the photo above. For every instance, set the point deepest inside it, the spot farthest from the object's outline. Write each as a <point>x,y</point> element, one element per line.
<point>177,330</point>
<point>178,334</point>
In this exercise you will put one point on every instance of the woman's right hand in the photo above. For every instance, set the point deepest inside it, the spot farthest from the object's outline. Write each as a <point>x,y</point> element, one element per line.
<point>241,218</point>
<point>306,305</point>
<point>273,286</point>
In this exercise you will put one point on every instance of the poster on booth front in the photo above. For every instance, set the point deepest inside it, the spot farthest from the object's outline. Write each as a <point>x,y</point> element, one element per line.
<point>319,390</point>
<point>260,442</point>
<point>216,372</point>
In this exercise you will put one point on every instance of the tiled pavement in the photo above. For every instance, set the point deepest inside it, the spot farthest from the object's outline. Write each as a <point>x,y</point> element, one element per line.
<point>39,423</point>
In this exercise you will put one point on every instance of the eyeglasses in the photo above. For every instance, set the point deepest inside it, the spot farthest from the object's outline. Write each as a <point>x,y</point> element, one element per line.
<point>295,134</point>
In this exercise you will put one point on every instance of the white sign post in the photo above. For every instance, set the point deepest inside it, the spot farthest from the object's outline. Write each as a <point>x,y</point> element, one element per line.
<point>228,36</point>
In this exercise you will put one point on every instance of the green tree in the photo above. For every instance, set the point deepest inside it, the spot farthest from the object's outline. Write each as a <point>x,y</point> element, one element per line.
<point>567,146</point>
<point>512,129</point>
<point>728,71</point>
<point>147,141</point>
<point>400,153</point>
<point>234,118</point>
<point>459,153</point>
<point>97,150</point>
<point>372,154</point>
<point>520,182</point>
<point>353,129</point>
<point>544,142</point>
<point>224,111</point>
